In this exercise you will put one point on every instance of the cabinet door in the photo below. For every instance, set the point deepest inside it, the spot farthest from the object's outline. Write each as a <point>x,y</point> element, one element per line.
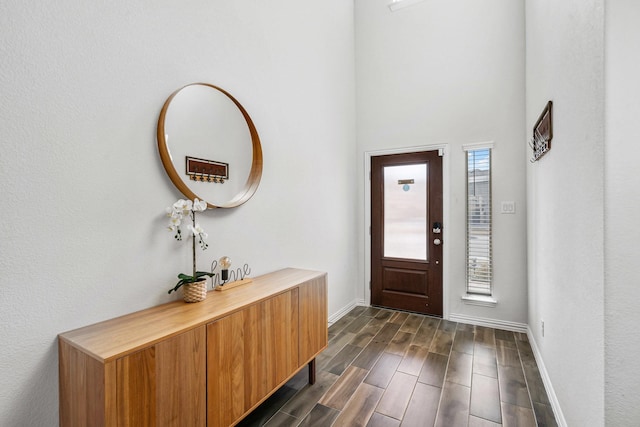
<point>225,370</point>
<point>87,395</point>
<point>271,345</point>
<point>249,354</point>
<point>164,385</point>
<point>313,318</point>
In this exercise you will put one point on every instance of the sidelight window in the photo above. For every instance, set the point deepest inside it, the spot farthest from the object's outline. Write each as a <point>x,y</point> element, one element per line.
<point>478,254</point>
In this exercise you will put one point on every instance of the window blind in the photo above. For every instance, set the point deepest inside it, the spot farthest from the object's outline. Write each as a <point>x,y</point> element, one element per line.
<point>479,264</point>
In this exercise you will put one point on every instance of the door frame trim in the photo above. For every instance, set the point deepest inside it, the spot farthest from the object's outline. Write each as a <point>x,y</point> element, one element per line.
<point>445,216</point>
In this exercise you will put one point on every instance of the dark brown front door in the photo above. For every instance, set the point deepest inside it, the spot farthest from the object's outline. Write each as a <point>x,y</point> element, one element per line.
<point>406,232</point>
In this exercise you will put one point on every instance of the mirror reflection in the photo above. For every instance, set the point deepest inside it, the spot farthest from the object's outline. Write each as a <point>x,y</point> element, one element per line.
<point>209,146</point>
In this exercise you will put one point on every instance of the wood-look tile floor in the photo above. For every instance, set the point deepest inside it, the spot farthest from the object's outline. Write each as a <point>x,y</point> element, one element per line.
<point>386,368</point>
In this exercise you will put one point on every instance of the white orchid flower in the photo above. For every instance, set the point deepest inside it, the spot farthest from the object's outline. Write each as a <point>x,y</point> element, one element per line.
<point>198,231</point>
<point>175,221</point>
<point>200,234</point>
<point>187,209</point>
<point>183,206</point>
<point>199,205</point>
<point>174,215</point>
<point>174,225</point>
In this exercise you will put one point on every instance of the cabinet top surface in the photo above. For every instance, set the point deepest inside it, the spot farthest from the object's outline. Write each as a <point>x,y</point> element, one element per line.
<point>123,335</point>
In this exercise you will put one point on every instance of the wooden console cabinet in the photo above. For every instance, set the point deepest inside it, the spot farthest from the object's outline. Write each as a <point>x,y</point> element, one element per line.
<point>203,364</point>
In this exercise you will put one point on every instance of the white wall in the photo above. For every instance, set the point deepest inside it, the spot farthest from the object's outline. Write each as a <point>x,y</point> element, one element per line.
<point>450,72</point>
<point>622,204</point>
<point>83,190</point>
<point>565,202</point>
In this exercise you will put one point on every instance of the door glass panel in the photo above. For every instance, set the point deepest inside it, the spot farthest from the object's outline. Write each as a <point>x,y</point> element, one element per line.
<point>405,211</point>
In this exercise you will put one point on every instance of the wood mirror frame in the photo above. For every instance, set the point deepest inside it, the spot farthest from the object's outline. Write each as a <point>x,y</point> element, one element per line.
<point>255,172</point>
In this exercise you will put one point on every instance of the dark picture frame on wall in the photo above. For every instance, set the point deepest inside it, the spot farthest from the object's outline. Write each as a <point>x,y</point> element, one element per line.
<point>542,133</point>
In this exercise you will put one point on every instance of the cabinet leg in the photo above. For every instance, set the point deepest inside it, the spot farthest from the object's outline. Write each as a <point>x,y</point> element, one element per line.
<point>312,372</point>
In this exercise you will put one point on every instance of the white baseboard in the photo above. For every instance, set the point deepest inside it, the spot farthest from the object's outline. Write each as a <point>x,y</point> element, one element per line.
<point>344,310</point>
<point>400,4</point>
<point>491,323</point>
<point>551,394</point>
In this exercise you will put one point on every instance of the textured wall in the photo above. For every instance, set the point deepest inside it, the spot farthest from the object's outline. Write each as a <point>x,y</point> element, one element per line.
<point>443,72</point>
<point>622,204</point>
<point>83,191</point>
<point>565,201</point>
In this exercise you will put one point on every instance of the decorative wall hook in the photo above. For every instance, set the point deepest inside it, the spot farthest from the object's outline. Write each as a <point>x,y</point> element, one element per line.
<point>542,134</point>
<point>204,170</point>
<point>540,146</point>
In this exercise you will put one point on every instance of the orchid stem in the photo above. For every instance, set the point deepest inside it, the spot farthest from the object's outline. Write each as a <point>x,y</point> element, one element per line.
<point>193,244</point>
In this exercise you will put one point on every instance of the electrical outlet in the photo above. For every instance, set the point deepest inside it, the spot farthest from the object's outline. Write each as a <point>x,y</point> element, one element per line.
<point>542,327</point>
<point>508,208</point>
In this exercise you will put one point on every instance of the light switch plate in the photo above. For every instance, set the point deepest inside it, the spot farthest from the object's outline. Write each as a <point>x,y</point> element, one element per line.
<point>508,208</point>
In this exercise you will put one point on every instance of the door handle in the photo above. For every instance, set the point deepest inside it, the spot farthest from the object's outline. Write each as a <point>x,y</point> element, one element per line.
<point>437,242</point>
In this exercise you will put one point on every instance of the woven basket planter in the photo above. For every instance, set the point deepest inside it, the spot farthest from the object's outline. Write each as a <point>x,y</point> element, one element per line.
<point>195,292</point>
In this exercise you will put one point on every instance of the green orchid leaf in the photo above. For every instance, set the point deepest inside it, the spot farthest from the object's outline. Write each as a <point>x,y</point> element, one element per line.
<point>203,273</point>
<point>182,281</point>
<point>176,287</point>
<point>185,278</point>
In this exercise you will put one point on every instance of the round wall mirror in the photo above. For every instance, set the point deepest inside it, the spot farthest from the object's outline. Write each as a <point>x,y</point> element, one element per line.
<point>209,146</point>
